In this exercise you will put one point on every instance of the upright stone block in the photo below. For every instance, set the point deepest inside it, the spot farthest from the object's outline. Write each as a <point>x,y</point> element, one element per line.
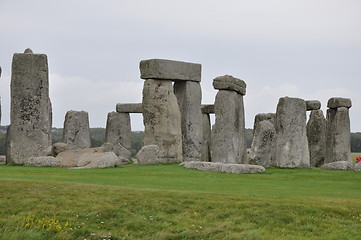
<point>170,70</point>
<point>316,136</point>
<point>262,117</point>
<point>338,135</point>
<point>228,133</point>
<point>29,134</point>
<point>162,120</point>
<point>76,132</point>
<point>189,97</point>
<point>119,134</point>
<point>292,145</point>
<point>264,142</point>
<point>207,136</point>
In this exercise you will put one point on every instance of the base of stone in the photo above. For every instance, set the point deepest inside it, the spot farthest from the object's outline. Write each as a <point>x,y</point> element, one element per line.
<point>224,167</point>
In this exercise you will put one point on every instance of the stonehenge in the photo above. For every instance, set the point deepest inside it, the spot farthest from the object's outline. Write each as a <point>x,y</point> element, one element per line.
<point>29,132</point>
<point>228,133</point>
<point>177,125</point>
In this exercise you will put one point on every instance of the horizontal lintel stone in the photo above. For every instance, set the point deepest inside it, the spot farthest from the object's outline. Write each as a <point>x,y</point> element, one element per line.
<point>228,82</point>
<point>337,102</point>
<point>207,108</point>
<point>162,69</point>
<point>313,105</point>
<point>129,108</point>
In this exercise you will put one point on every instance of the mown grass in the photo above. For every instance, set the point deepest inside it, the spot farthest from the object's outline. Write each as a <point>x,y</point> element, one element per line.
<point>170,202</point>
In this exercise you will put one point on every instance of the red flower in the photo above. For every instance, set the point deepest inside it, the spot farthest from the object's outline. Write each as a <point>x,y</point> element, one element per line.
<point>358,159</point>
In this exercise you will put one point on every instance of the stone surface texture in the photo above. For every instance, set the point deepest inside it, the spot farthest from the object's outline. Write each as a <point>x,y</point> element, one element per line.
<point>357,167</point>
<point>263,144</point>
<point>228,133</point>
<point>43,161</point>
<point>340,165</point>
<point>228,82</point>
<point>76,132</point>
<point>162,120</point>
<point>337,102</point>
<point>129,108</point>
<point>316,136</point>
<point>162,69</point>
<point>264,116</point>
<point>58,148</point>
<point>224,167</point>
<point>189,96</point>
<point>207,138</point>
<point>119,134</point>
<point>29,133</point>
<point>147,155</point>
<point>313,105</point>
<point>338,146</point>
<point>292,145</point>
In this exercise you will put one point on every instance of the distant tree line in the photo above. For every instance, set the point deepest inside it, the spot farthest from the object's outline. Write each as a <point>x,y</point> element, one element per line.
<point>97,136</point>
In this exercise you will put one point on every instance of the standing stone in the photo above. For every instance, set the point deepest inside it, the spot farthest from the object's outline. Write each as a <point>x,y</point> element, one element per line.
<point>263,144</point>
<point>316,136</point>
<point>189,96</point>
<point>262,117</point>
<point>29,134</point>
<point>76,132</point>
<point>162,120</point>
<point>119,134</point>
<point>338,130</point>
<point>228,134</point>
<point>292,145</point>
<point>206,142</point>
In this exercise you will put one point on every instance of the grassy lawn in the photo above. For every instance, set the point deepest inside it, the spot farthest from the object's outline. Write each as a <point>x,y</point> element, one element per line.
<point>171,202</point>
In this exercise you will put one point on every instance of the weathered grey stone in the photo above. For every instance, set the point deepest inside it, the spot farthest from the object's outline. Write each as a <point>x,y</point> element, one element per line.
<point>2,158</point>
<point>87,158</point>
<point>292,145</point>
<point>224,167</point>
<point>189,96</point>
<point>338,135</point>
<point>161,69</point>
<point>228,82</point>
<point>28,51</point>
<point>357,167</point>
<point>162,120</point>
<point>43,161</point>
<point>29,134</point>
<point>207,136</point>
<point>148,155</point>
<point>263,144</point>
<point>207,108</point>
<point>313,105</point>
<point>340,165</point>
<point>316,136</point>
<point>76,132</point>
<point>264,116</point>
<point>129,108</point>
<point>337,102</point>
<point>118,149</point>
<point>118,132</point>
<point>58,148</point>
<point>228,133</point>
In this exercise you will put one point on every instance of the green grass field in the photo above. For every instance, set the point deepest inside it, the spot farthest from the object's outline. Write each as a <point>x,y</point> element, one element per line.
<point>171,202</point>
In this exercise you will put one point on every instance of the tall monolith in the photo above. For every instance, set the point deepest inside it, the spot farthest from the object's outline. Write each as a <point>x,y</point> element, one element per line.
<point>291,144</point>
<point>29,133</point>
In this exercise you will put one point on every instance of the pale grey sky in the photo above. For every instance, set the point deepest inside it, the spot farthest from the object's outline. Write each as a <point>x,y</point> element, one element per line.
<point>309,49</point>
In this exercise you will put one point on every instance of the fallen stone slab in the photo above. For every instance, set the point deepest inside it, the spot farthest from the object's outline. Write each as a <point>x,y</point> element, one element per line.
<point>129,108</point>
<point>224,167</point>
<point>340,165</point>
<point>162,69</point>
<point>357,167</point>
<point>337,102</point>
<point>147,155</point>
<point>58,148</point>
<point>228,82</point>
<point>43,161</point>
<point>313,105</point>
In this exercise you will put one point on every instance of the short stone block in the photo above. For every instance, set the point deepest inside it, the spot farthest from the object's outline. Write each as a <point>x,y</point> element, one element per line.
<point>129,108</point>
<point>313,105</point>
<point>170,70</point>
<point>336,102</point>
<point>228,82</point>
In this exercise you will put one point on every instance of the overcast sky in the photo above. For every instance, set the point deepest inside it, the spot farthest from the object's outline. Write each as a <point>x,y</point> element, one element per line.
<point>309,49</point>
